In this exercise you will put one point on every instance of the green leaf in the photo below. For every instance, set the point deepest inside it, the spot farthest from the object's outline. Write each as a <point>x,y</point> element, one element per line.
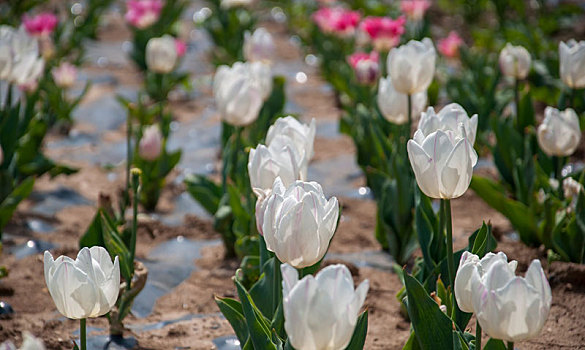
<point>232,310</point>
<point>358,339</point>
<point>482,241</point>
<point>204,191</point>
<point>432,327</point>
<point>494,344</point>
<point>258,326</point>
<point>267,292</point>
<point>10,203</point>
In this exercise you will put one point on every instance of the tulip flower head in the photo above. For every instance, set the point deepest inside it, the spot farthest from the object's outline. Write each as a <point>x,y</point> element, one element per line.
<point>337,21</point>
<point>383,32</point>
<point>150,146</point>
<point>415,9</point>
<point>559,134</point>
<point>394,104</point>
<point>507,307</point>
<point>258,46</point>
<point>228,4</point>
<point>42,24</point>
<point>449,46</point>
<point>180,47</point>
<point>85,287</point>
<point>572,63</point>
<point>441,155</point>
<point>298,222</point>
<point>321,312</point>
<point>143,13</point>
<point>240,91</point>
<point>365,66</point>
<point>515,61</point>
<point>265,164</point>
<point>161,54</point>
<point>299,137</point>
<point>412,66</point>
<point>572,188</point>
<point>64,75</point>
<point>20,63</point>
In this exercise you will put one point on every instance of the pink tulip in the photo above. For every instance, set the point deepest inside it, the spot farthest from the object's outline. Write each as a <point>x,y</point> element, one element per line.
<point>143,13</point>
<point>338,21</point>
<point>365,66</point>
<point>181,47</point>
<point>150,145</point>
<point>42,24</point>
<point>449,46</point>
<point>415,9</point>
<point>384,32</point>
<point>64,75</point>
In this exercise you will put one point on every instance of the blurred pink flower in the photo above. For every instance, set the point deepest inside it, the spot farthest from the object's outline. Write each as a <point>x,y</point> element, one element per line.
<point>365,66</point>
<point>40,25</point>
<point>150,145</point>
<point>337,20</point>
<point>143,13</point>
<point>415,9</point>
<point>181,47</point>
<point>449,46</point>
<point>384,32</point>
<point>64,75</point>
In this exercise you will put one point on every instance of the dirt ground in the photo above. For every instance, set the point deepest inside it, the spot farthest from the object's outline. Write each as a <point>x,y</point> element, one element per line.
<point>25,288</point>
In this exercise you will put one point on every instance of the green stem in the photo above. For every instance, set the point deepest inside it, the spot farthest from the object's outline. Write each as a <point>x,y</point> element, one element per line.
<point>517,102</point>
<point>82,334</point>
<point>133,233</point>
<point>510,345</point>
<point>128,162</point>
<point>409,99</point>
<point>449,229</point>
<point>558,163</point>
<point>477,336</point>
<point>276,286</point>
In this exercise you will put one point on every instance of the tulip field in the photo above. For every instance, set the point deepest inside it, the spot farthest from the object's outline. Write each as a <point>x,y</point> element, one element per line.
<point>293,174</point>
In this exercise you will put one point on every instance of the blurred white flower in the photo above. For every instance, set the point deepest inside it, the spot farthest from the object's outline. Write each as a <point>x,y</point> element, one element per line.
<point>394,104</point>
<point>571,187</point>
<point>161,54</point>
<point>29,342</point>
<point>298,222</point>
<point>572,63</point>
<point>299,136</point>
<point>321,312</point>
<point>258,46</point>
<point>85,287</point>
<point>515,61</point>
<point>412,66</point>
<point>64,75</point>
<point>560,133</point>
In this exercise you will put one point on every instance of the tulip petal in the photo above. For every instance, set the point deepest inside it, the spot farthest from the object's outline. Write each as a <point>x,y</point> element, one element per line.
<point>424,171</point>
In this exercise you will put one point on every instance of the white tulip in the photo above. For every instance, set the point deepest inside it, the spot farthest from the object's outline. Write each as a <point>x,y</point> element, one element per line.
<point>515,61</point>
<point>228,4</point>
<point>559,134</point>
<point>240,91</point>
<point>298,222</point>
<point>412,66</point>
<point>258,46</point>
<point>29,342</point>
<point>394,104</point>
<point>321,312</point>
<point>469,266</point>
<point>150,145</point>
<point>442,162</point>
<point>289,131</point>
<point>5,60</point>
<point>448,120</point>
<point>265,164</point>
<point>28,69</point>
<point>85,287</point>
<point>508,307</point>
<point>161,54</point>
<point>571,187</point>
<point>572,63</point>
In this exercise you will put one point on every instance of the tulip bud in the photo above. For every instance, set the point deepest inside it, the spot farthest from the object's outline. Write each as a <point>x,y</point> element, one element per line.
<point>150,146</point>
<point>290,132</point>
<point>298,222</point>
<point>442,162</point>
<point>337,21</point>
<point>394,105</point>
<point>143,13</point>
<point>42,24</point>
<point>240,91</point>
<point>559,134</point>
<point>365,66</point>
<point>64,75</point>
<point>161,54</point>
<point>383,32</point>
<point>259,46</point>
<point>321,312</point>
<point>180,47</point>
<point>572,63</point>
<point>449,47</point>
<point>515,61</point>
<point>507,307</point>
<point>265,164</point>
<point>85,287</point>
<point>412,66</point>
<point>415,9</point>
<point>228,4</point>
